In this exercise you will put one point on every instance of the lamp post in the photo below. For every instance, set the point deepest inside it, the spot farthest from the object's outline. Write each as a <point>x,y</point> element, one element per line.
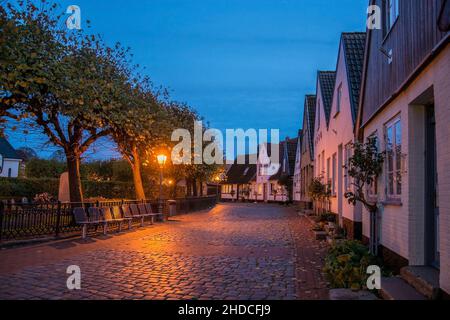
<point>161,161</point>
<point>217,178</point>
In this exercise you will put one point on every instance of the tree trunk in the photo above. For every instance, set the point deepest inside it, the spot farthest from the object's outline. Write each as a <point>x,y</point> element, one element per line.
<point>188,188</point>
<point>373,242</point>
<point>194,187</point>
<point>137,177</point>
<point>73,168</point>
<point>201,189</point>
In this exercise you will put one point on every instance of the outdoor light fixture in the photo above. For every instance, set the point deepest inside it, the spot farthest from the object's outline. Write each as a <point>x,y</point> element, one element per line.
<point>162,159</point>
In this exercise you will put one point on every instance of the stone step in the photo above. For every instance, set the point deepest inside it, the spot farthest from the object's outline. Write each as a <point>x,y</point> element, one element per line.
<point>424,279</point>
<point>395,288</point>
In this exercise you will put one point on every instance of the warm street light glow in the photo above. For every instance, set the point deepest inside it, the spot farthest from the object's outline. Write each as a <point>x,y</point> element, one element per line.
<point>170,182</point>
<point>162,159</point>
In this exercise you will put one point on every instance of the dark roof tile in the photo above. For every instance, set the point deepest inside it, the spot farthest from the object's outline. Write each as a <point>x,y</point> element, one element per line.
<point>354,46</point>
<point>327,80</point>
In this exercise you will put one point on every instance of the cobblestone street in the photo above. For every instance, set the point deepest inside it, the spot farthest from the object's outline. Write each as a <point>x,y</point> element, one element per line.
<point>235,251</point>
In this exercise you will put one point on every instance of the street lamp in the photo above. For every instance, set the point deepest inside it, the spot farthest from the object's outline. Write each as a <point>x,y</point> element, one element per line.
<point>217,178</point>
<point>161,161</point>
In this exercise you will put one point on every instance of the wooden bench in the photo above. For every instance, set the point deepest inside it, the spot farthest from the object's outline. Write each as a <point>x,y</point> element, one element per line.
<point>111,215</point>
<point>82,219</point>
<point>132,211</point>
<point>149,210</point>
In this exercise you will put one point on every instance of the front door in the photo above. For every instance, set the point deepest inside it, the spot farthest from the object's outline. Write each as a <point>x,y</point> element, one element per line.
<point>432,198</point>
<point>265,192</point>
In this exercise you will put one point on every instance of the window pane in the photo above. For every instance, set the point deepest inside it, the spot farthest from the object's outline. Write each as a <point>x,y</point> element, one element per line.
<point>391,183</point>
<point>399,183</point>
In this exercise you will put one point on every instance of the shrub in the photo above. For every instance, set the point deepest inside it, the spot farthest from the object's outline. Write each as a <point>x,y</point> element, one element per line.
<point>29,188</point>
<point>346,265</point>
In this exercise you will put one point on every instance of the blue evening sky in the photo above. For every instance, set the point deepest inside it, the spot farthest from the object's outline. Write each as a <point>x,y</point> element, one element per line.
<point>240,63</point>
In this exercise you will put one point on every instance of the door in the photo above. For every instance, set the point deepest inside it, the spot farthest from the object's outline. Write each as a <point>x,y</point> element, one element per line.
<point>432,198</point>
<point>265,192</point>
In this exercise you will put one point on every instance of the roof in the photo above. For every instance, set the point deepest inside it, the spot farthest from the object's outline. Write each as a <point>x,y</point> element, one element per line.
<point>278,175</point>
<point>6,149</point>
<point>292,154</point>
<point>310,114</point>
<point>327,80</point>
<point>354,44</point>
<point>288,147</point>
<point>241,173</point>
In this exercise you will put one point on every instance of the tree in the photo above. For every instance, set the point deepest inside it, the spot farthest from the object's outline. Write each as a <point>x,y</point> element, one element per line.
<point>140,126</point>
<point>64,83</point>
<point>26,153</point>
<point>364,167</point>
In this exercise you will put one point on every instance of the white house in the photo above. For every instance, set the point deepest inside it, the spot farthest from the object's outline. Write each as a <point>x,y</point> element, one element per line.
<point>297,180</point>
<point>336,136</point>
<point>405,104</point>
<point>9,160</point>
<point>324,96</point>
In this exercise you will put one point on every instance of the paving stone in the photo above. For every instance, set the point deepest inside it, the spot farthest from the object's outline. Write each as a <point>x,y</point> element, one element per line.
<point>236,251</point>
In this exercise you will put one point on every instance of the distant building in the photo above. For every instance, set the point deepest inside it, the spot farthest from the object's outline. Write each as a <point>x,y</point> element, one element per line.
<point>9,160</point>
<point>297,181</point>
<point>307,151</point>
<point>236,187</point>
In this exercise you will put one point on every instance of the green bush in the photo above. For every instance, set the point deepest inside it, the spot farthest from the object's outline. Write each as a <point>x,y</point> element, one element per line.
<point>346,265</point>
<point>29,188</point>
<point>40,168</point>
<point>19,188</point>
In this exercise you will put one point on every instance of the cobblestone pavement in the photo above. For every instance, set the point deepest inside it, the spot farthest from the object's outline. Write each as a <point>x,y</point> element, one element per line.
<point>235,251</point>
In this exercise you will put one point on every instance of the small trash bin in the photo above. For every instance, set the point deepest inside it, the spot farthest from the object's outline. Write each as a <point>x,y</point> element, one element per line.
<point>172,207</point>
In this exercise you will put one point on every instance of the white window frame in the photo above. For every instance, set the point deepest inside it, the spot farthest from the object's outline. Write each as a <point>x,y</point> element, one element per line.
<point>347,156</point>
<point>333,174</point>
<point>392,12</point>
<point>339,99</point>
<point>373,189</point>
<point>393,173</point>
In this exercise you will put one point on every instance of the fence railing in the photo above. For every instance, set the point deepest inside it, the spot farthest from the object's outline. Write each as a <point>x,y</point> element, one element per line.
<point>21,221</point>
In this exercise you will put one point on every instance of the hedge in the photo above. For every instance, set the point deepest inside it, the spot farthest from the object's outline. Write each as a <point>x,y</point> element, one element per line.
<point>28,188</point>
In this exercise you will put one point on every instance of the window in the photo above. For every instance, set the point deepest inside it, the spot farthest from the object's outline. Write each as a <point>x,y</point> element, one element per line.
<point>391,14</point>
<point>339,98</point>
<point>372,190</point>
<point>394,158</point>
<point>333,175</point>
<point>318,115</point>
<point>318,166</point>
<point>323,163</point>
<point>328,170</point>
<point>347,156</point>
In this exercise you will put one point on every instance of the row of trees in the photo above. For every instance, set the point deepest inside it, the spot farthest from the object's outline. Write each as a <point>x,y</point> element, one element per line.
<point>75,89</point>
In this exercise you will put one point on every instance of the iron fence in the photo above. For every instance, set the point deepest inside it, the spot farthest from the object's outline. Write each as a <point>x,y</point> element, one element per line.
<point>21,221</point>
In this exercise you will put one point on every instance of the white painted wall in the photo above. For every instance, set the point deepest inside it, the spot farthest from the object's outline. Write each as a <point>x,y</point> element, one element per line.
<point>12,164</point>
<point>296,190</point>
<point>402,226</point>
